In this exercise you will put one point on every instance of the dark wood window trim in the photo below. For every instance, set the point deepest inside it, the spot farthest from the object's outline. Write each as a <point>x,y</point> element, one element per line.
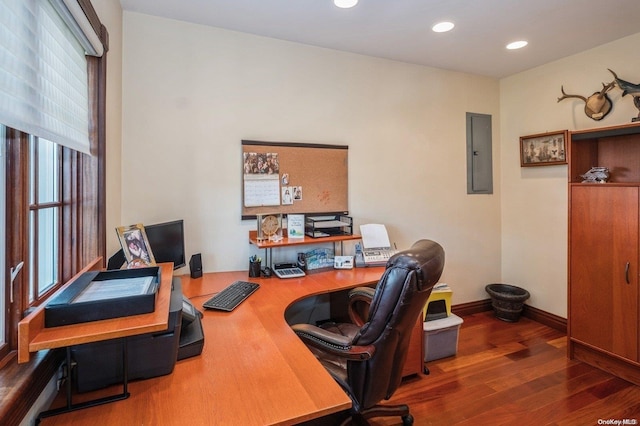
<point>17,228</point>
<point>84,235</point>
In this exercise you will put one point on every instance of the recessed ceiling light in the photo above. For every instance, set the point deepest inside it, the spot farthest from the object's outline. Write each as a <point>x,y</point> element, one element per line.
<point>443,27</point>
<point>345,4</point>
<point>517,45</point>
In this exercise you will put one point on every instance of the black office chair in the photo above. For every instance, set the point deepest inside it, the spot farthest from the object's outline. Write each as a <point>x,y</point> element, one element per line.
<point>366,356</point>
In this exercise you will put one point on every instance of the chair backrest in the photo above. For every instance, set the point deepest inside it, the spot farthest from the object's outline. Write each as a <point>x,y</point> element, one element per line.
<point>400,295</point>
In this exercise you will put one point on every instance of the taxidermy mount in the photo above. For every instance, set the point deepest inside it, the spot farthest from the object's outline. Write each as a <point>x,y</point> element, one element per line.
<point>596,106</point>
<point>629,89</point>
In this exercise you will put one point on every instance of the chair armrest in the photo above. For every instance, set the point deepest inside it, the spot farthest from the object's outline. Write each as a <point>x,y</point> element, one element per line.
<point>364,292</point>
<point>359,301</point>
<point>332,343</point>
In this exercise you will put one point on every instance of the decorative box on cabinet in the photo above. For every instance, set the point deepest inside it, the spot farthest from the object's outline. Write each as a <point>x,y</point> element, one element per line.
<point>604,251</point>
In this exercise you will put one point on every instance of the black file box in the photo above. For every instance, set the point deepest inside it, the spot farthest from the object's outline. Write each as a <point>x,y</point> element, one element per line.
<point>96,296</point>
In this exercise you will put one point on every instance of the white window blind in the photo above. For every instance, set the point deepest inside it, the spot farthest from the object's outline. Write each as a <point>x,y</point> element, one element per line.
<point>43,72</point>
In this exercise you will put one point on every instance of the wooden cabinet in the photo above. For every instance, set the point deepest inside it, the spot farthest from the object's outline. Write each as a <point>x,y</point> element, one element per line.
<point>604,253</point>
<point>604,264</point>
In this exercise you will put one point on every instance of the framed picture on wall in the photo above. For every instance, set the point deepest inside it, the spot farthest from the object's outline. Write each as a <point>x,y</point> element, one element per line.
<point>544,149</point>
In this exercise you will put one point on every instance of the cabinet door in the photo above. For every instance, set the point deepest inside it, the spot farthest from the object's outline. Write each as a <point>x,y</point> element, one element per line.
<point>603,295</point>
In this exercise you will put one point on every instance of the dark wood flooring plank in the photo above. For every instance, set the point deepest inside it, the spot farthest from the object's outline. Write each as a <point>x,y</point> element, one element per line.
<point>514,373</point>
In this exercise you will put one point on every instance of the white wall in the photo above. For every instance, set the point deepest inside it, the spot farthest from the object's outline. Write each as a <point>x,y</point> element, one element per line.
<point>534,199</point>
<point>192,93</point>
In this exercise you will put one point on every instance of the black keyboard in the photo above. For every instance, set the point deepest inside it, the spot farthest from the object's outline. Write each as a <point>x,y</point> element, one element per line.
<point>229,298</point>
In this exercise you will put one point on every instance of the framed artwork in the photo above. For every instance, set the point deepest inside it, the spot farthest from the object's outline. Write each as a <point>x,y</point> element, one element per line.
<point>544,149</point>
<point>135,245</point>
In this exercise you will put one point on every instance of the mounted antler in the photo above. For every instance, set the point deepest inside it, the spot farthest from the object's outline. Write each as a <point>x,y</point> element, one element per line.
<point>598,105</point>
<point>565,96</point>
<point>607,87</point>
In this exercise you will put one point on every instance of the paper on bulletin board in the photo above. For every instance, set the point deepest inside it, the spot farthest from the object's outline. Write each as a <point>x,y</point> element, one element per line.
<point>260,190</point>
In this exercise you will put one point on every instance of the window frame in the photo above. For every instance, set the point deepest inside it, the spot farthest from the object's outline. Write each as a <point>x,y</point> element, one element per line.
<point>82,218</point>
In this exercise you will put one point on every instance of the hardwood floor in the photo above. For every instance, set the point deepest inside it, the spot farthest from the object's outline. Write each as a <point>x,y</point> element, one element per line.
<point>514,373</point>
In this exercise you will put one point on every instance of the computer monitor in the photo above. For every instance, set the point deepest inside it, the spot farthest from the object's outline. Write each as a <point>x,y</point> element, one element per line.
<point>167,242</point>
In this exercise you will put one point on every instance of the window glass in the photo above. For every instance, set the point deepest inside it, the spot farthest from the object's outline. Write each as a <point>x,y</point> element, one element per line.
<point>44,171</point>
<point>44,250</point>
<point>48,179</point>
<point>44,217</point>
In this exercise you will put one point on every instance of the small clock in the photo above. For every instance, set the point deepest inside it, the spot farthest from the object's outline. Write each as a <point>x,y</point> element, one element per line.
<point>269,227</point>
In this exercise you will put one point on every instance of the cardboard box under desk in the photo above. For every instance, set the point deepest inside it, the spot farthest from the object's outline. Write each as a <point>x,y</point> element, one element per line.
<point>97,296</point>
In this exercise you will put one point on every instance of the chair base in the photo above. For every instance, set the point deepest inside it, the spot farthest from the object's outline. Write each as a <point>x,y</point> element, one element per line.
<point>360,419</point>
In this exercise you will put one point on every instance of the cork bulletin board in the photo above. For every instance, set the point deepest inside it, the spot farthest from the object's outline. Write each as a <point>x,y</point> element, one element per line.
<point>286,177</point>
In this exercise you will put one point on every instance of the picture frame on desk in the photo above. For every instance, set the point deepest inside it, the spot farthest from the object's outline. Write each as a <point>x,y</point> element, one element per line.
<point>295,226</point>
<point>135,246</point>
<point>544,149</point>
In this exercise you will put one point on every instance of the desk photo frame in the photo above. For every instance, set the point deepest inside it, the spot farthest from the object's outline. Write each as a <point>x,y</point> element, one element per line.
<point>135,246</point>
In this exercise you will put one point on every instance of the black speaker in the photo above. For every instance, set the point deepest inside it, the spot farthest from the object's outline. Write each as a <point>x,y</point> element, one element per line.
<point>195,265</point>
<point>117,260</point>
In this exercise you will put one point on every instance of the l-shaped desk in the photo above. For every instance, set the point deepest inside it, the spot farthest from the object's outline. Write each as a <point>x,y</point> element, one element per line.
<point>253,369</point>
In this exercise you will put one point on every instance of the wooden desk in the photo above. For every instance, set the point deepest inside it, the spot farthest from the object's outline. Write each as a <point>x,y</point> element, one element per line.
<point>34,336</point>
<point>253,369</point>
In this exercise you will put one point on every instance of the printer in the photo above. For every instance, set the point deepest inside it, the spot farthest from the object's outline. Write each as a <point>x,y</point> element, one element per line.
<point>99,364</point>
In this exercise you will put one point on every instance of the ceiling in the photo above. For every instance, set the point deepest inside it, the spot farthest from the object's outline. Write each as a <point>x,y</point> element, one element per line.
<point>401,29</point>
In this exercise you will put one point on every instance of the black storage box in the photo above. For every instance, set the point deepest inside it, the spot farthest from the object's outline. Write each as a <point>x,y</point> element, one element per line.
<point>96,296</point>
<point>149,355</point>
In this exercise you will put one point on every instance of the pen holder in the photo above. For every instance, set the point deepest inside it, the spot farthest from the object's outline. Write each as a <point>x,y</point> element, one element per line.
<point>254,269</point>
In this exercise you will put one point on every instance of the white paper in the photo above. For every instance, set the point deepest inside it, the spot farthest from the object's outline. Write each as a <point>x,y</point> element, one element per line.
<point>374,235</point>
<point>261,190</point>
<point>111,289</point>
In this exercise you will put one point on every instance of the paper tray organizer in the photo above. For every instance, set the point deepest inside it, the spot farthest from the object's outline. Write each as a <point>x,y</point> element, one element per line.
<point>327,225</point>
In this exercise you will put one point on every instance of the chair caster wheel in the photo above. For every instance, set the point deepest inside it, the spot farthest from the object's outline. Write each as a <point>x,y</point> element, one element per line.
<point>407,420</point>
<point>426,371</point>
